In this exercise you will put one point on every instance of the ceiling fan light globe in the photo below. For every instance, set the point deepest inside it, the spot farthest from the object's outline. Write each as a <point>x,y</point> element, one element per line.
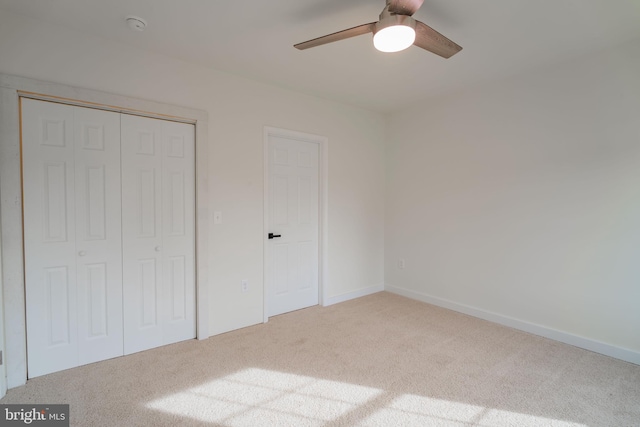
<point>394,38</point>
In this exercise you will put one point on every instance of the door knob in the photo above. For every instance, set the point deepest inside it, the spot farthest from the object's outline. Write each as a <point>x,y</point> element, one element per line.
<point>82,253</point>
<point>157,248</point>
<point>271,235</point>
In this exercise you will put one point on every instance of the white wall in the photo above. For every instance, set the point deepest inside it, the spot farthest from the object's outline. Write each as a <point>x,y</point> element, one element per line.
<point>238,109</point>
<point>520,201</point>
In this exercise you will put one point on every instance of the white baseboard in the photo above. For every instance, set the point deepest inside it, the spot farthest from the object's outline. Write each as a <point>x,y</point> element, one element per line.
<point>352,295</point>
<point>565,337</point>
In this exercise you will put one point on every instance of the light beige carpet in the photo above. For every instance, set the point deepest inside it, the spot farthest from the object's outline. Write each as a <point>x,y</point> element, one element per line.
<point>381,360</point>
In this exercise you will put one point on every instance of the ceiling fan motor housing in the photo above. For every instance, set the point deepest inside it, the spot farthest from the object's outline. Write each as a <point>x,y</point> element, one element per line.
<point>390,19</point>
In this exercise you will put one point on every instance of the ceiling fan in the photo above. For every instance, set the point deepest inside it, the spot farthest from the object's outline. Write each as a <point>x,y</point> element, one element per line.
<point>395,31</point>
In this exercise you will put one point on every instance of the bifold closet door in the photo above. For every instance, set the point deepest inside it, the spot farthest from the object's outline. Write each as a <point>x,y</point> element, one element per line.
<point>158,201</point>
<point>72,231</point>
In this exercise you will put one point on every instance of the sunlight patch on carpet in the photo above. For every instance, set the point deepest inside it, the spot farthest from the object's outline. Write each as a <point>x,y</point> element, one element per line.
<point>255,397</point>
<point>413,410</point>
<point>258,397</point>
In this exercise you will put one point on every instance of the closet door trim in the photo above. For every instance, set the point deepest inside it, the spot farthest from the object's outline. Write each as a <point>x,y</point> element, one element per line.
<point>12,89</point>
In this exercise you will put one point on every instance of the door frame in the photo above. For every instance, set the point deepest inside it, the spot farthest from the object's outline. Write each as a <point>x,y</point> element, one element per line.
<point>12,89</point>
<point>323,205</point>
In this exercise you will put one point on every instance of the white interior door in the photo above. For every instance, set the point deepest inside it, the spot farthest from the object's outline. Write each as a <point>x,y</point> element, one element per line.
<point>71,178</point>
<point>98,234</point>
<point>292,280</point>
<point>158,190</point>
<point>178,231</point>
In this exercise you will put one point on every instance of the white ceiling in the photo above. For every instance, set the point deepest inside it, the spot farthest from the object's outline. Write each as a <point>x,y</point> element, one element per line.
<point>254,39</point>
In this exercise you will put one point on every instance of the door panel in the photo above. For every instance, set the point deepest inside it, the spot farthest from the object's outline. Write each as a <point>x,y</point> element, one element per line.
<point>56,209</point>
<point>95,203</point>
<point>97,301</point>
<point>146,212</point>
<point>98,234</point>
<point>57,306</point>
<point>142,240</point>
<point>49,237</point>
<point>177,288</point>
<point>293,214</point>
<point>158,232</point>
<point>71,178</point>
<point>178,231</point>
<point>148,310</point>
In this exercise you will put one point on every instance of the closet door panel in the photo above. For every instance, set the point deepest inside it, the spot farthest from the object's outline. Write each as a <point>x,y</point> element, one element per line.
<point>49,236</point>
<point>98,234</point>
<point>158,202</point>
<point>143,294</point>
<point>71,177</point>
<point>178,198</point>
<point>50,268</point>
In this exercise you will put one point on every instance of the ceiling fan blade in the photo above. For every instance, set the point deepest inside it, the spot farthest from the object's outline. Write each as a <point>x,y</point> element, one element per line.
<point>334,37</point>
<point>431,40</point>
<point>404,7</point>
